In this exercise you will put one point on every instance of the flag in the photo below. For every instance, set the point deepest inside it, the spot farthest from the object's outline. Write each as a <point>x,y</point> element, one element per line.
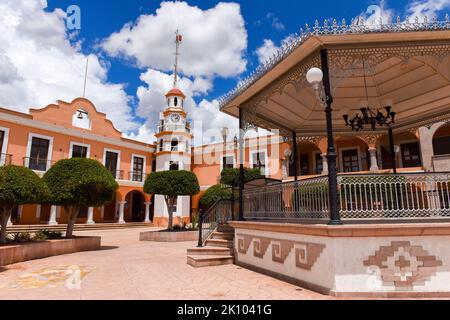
<point>179,38</point>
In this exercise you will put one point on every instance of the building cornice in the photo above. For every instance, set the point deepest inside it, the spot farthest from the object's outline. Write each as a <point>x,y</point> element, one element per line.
<point>29,122</point>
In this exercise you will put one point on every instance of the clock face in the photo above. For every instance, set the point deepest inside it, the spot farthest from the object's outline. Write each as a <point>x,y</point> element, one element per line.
<point>175,117</point>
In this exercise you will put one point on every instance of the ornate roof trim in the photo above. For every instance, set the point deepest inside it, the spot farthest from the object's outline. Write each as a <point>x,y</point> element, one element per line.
<point>357,26</point>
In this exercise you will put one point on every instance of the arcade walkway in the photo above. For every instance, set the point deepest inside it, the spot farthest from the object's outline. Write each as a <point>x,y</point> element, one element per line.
<point>129,269</point>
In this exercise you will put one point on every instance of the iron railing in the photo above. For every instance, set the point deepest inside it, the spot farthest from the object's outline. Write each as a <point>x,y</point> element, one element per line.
<point>119,174</point>
<point>136,176</point>
<point>362,197</point>
<point>400,196</point>
<point>38,164</point>
<point>305,199</point>
<point>219,213</point>
<point>5,159</point>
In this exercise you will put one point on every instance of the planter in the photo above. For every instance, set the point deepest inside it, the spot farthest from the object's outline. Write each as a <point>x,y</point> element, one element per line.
<point>16,253</point>
<point>169,236</point>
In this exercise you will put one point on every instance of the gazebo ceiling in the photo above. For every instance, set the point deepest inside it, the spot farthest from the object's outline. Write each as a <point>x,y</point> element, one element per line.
<point>410,71</point>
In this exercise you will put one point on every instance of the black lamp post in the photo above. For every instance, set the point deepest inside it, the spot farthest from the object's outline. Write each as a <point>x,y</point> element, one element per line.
<point>320,79</point>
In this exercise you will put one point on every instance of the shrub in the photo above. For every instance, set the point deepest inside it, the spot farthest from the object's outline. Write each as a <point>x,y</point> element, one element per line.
<point>213,194</point>
<point>77,183</point>
<point>171,185</point>
<point>18,186</point>
<point>230,177</point>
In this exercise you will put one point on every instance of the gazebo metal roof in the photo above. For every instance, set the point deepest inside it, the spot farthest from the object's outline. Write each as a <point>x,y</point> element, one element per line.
<point>404,63</point>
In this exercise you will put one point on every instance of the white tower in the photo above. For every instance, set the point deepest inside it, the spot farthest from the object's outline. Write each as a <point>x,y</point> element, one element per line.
<point>173,143</point>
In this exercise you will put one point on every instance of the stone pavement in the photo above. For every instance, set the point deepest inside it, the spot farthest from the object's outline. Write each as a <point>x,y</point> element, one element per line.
<point>129,269</point>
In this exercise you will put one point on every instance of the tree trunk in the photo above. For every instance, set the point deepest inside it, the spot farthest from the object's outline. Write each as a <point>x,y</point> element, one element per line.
<point>5,214</point>
<point>169,203</point>
<point>72,213</point>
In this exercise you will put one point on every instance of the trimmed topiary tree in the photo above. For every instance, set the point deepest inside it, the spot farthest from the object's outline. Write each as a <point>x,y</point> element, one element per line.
<point>78,183</point>
<point>171,185</point>
<point>230,177</point>
<point>213,194</point>
<point>18,186</point>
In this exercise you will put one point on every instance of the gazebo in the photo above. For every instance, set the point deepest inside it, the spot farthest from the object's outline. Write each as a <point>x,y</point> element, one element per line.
<point>355,84</point>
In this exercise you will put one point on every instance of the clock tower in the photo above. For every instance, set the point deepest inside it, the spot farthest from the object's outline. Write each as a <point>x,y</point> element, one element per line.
<point>173,150</point>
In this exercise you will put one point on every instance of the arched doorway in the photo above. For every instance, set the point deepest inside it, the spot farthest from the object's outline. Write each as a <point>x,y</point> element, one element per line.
<point>441,141</point>
<point>136,207</point>
<point>110,211</point>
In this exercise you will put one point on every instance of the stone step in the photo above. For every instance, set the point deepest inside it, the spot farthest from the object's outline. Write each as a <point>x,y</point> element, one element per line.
<point>210,251</point>
<point>223,235</point>
<point>200,261</point>
<point>220,243</point>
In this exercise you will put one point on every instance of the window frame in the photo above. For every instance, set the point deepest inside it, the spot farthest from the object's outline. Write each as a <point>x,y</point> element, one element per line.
<point>84,145</point>
<point>32,135</point>
<point>4,149</point>
<point>105,150</point>
<point>144,166</point>
<point>341,156</point>
<point>266,161</point>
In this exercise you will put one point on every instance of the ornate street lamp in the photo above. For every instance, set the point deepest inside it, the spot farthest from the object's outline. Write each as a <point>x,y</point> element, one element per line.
<point>320,81</point>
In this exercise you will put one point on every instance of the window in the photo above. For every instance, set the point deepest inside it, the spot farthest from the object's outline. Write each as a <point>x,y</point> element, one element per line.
<point>174,166</point>
<point>304,165</point>
<point>111,163</point>
<point>175,204</point>
<point>174,144</point>
<point>292,164</point>
<point>259,162</point>
<point>161,145</point>
<point>2,137</point>
<point>38,159</point>
<point>228,162</point>
<point>138,169</point>
<point>319,163</point>
<point>175,101</point>
<point>411,155</point>
<point>350,160</point>
<point>154,165</point>
<point>441,146</point>
<point>187,147</point>
<point>79,151</point>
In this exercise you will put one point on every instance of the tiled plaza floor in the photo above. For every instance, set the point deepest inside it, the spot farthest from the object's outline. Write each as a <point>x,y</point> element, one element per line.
<point>129,269</point>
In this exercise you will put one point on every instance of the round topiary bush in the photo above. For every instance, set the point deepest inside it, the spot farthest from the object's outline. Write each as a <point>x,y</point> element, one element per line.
<point>171,185</point>
<point>78,183</point>
<point>214,194</point>
<point>18,186</point>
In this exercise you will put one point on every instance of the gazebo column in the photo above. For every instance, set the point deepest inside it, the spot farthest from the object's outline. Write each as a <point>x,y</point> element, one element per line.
<point>295,154</point>
<point>241,165</point>
<point>335,217</point>
<point>9,224</point>
<point>426,147</point>
<point>122,212</point>
<point>147,212</point>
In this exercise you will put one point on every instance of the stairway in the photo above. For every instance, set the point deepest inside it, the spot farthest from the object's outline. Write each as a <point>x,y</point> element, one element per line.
<point>219,249</point>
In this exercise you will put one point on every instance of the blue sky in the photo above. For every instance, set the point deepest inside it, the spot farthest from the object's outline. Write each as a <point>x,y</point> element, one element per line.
<point>130,48</point>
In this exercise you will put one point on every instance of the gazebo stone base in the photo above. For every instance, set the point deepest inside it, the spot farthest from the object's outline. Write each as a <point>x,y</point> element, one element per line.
<point>391,261</point>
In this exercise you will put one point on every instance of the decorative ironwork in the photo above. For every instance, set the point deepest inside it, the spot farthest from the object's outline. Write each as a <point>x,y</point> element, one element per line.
<point>357,26</point>
<point>369,117</point>
<point>370,139</point>
<point>315,140</point>
<point>362,197</point>
<point>386,196</point>
<point>300,200</point>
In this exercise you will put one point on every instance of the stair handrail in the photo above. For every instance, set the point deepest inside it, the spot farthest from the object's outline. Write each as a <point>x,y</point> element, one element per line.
<point>213,218</point>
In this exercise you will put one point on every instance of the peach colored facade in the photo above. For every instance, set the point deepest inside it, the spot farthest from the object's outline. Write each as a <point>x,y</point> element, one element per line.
<point>58,125</point>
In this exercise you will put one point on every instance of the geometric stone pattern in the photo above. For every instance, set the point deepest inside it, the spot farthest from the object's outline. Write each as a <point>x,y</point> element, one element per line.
<point>306,254</point>
<point>403,265</point>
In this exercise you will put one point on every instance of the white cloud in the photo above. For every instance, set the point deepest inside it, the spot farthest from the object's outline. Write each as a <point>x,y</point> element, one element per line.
<point>205,116</point>
<point>214,40</point>
<point>427,8</point>
<point>38,64</point>
<point>266,51</point>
